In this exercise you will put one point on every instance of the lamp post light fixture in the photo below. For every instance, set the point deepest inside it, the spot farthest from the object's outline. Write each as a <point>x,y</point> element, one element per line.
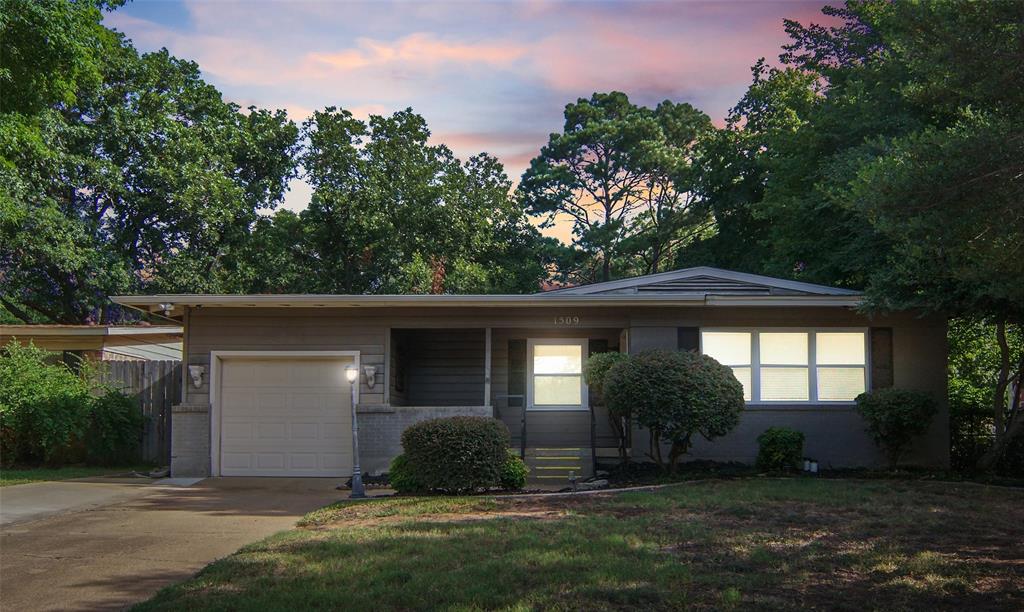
<point>352,375</point>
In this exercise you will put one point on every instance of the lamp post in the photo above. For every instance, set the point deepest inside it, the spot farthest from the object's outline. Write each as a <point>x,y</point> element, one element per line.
<point>352,375</point>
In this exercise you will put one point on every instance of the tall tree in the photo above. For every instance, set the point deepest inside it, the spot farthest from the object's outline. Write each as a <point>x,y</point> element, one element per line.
<point>391,213</point>
<point>886,154</point>
<point>136,176</point>
<point>618,171</point>
<point>950,196</point>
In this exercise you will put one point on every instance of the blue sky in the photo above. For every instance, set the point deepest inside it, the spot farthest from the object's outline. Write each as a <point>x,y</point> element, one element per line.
<point>488,76</point>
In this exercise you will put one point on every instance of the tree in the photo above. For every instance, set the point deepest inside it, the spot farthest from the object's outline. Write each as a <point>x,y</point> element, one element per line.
<point>948,196</point>
<point>975,364</point>
<point>773,177</point>
<point>391,213</point>
<point>595,371</point>
<point>132,175</point>
<point>675,395</point>
<point>621,174</point>
<point>49,52</point>
<point>885,154</point>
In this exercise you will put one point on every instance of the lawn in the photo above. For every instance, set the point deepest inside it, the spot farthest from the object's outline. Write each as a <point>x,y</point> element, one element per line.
<point>733,544</point>
<point>24,476</point>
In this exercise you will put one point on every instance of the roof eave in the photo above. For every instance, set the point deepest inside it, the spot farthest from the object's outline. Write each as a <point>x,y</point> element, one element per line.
<point>159,303</point>
<point>89,330</point>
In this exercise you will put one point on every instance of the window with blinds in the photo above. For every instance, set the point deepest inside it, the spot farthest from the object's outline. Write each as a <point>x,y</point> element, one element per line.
<point>792,366</point>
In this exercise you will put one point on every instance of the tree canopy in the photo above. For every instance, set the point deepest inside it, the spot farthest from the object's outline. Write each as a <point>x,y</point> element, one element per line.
<point>621,173</point>
<point>885,154</point>
<point>125,172</point>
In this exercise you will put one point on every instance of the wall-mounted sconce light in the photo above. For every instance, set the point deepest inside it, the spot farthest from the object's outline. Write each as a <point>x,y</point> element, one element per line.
<point>371,375</point>
<point>196,372</point>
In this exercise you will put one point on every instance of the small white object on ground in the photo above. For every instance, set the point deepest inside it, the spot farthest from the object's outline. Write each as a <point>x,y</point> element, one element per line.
<point>179,482</point>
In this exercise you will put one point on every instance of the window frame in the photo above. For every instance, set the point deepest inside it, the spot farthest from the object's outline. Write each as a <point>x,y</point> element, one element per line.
<point>584,404</point>
<point>754,386</point>
<point>812,364</point>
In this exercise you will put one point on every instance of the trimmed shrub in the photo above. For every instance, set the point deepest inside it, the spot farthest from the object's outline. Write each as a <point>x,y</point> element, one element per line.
<point>895,417</point>
<point>513,473</point>
<point>115,429</point>
<point>595,370</point>
<point>781,449</point>
<point>457,454</point>
<point>400,476</point>
<point>675,395</point>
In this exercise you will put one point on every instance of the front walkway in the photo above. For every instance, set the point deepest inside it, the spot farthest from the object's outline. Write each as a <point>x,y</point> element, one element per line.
<point>130,540</point>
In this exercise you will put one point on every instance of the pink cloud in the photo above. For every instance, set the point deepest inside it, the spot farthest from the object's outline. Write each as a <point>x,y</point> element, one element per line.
<point>487,76</point>
<point>419,49</point>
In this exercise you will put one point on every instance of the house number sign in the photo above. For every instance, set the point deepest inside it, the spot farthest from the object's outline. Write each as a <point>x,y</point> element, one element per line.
<point>567,320</point>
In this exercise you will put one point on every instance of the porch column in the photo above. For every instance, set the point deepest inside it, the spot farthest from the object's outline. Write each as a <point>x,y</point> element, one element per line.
<point>487,367</point>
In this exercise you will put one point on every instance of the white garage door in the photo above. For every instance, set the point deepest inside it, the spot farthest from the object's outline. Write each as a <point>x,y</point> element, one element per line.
<point>285,417</point>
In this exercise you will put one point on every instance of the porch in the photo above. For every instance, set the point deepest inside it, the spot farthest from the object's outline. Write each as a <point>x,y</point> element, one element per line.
<point>538,393</point>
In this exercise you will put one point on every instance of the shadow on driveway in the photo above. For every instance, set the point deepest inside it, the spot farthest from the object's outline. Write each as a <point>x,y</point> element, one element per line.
<point>114,554</point>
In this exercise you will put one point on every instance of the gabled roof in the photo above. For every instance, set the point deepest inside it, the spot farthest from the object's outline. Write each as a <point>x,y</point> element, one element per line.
<point>704,281</point>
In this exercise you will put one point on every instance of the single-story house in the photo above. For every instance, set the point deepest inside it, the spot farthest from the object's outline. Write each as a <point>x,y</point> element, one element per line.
<point>101,342</point>
<point>266,394</point>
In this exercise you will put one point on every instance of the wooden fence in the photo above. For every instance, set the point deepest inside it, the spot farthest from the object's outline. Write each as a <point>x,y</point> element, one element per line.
<point>156,386</point>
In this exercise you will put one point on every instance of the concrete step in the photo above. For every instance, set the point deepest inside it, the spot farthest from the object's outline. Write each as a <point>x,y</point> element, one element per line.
<point>574,452</point>
<point>557,465</point>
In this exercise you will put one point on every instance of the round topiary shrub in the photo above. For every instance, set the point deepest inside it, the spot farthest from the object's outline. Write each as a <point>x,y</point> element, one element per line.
<point>595,370</point>
<point>895,417</point>
<point>675,395</point>
<point>513,473</point>
<point>457,454</point>
<point>781,449</point>
<point>401,478</point>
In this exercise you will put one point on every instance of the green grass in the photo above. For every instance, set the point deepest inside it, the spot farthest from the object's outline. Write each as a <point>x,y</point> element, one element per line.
<point>739,544</point>
<point>25,476</point>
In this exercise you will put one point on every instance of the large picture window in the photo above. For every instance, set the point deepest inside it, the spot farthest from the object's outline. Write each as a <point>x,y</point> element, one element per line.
<point>787,366</point>
<point>556,374</point>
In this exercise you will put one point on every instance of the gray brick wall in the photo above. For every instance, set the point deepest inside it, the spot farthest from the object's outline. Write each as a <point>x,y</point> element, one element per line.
<point>190,440</point>
<point>381,427</point>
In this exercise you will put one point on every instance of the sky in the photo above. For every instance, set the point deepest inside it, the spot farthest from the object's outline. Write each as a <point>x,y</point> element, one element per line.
<point>487,76</point>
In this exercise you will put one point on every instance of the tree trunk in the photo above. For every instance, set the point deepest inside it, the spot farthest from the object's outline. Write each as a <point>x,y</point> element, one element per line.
<point>14,310</point>
<point>656,449</point>
<point>1007,425</point>
<point>619,427</point>
<point>678,450</point>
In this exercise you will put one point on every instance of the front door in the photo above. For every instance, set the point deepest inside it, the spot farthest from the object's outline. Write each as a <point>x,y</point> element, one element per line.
<point>556,394</point>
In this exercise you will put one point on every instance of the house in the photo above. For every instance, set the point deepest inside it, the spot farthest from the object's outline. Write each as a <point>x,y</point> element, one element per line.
<point>102,342</point>
<point>267,395</point>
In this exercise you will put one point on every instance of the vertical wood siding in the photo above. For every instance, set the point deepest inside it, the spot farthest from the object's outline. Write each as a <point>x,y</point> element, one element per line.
<point>442,367</point>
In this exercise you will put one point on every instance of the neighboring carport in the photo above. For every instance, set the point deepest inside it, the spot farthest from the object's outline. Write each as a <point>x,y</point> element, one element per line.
<point>111,555</point>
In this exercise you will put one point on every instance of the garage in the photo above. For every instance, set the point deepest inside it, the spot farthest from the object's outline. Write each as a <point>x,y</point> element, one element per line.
<point>285,416</point>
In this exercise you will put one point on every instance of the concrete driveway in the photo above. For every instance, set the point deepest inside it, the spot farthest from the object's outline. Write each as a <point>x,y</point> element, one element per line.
<point>129,540</point>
